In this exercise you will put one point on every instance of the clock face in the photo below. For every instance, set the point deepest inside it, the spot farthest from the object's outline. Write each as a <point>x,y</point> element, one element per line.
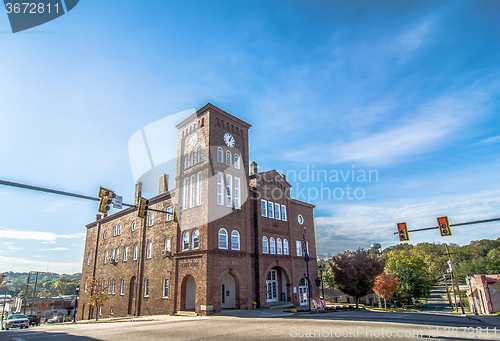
<point>229,140</point>
<point>193,139</point>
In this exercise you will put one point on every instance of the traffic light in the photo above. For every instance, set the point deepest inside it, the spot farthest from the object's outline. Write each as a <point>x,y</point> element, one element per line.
<point>403,232</point>
<point>142,212</point>
<point>107,197</point>
<point>444,226</point>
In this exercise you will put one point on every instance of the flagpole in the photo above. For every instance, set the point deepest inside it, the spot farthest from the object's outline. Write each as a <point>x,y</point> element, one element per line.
<point>308,283</point>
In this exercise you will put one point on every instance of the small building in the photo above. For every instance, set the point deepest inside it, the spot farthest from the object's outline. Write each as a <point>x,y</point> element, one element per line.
<point>485,295</point>
<point>338,297</point>
<point>45,307</point>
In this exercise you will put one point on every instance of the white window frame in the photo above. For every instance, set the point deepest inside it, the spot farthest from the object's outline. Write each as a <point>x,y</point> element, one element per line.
<point>106,257</point>
<point>110,285</point>
<point>237,159</point>
<point>285,247</point>
<point>151,218</point>
<point>193,158</point>
<point>112,254</point>
<point>272,246</point>
<point>220,155</point>
<point>263,207</point>
<point>235,234</point>
<point>298,245</point>
<point>146,287</point>
<point>132,226</point>
<point>220,186</point>
<point>225,234</point>
<point>229,190</point>
<point>229,158</point>
<point>114,230</point>
<point>185,241</point>
<point>200,155</point>
<point>113,289</point>
<point>168,244</point>
<point>149,250</point>
<point>125,251</point>
<point>88,259</point>
<point>86,285</point>
<point>195,236</point>
<point>117,254</point>
<point>283,213</point>
<point>277,211</point>
<point>191,190</point>
<point>165,288</point>
<point>270,209</point>
<point>279,246</point>
<point>198,189</point>
<point>265,245</point>
<point>136,251</point>
<point>122,287</point>
<point>169,216</point>
<point>237,193</point>
<point>186,161</point>
<point>186,193</point>
<point>119,230</point>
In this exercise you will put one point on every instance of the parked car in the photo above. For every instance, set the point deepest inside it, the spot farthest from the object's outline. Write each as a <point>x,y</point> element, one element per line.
<point>56,319</point>
<point>34,320</point>
<point>16,320</point>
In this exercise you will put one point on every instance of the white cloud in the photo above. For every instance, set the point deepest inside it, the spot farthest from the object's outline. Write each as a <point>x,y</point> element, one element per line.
<point>46,237</point>
<point>493,139</point>
<point>414,37</point>
<point>54,249</point>
<point>13,248</point>
<point>21,264</point>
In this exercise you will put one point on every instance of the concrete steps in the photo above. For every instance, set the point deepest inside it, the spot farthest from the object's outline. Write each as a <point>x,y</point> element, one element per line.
<point>186,313</point>
<point>280,305</point>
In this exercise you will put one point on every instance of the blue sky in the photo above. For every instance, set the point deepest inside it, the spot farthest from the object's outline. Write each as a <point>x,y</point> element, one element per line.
<point>408,90</point>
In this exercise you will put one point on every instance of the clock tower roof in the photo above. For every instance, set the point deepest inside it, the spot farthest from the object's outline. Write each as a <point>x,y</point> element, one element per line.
<point>211,107</point>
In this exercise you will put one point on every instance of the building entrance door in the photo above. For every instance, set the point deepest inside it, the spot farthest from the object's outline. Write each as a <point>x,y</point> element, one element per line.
<point>272,286</point>
<point>131,297</point>
<point>303,292</point>
<point>190,293</point>
<point>228,292</point>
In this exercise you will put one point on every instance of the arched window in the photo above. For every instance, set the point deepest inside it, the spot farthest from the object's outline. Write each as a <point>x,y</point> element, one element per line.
<point>228,158</point>
<point>279,247</point>
<point>265,246</point>
<point>185,241</point>
<point>193,158</point>
<point>237,161</point>
<point>220,154</point>
<point>196,239</point>
<point>285,247</point>
<point>186,161</point>
<point>222,239</point>
<point>272,246</point>
<point>235,240</point>
<point>200,155</point>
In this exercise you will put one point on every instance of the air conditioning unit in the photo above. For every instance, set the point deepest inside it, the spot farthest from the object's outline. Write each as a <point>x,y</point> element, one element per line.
<point>166,253</point>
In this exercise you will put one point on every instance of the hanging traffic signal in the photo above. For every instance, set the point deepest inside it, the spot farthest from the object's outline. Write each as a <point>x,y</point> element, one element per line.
<point>142,212</point>
<point>107,197</point>
<point>444,226</point>
<point>403,232</point>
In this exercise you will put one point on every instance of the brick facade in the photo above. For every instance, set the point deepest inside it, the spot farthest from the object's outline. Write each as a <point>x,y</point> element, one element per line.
<point>226,205</point>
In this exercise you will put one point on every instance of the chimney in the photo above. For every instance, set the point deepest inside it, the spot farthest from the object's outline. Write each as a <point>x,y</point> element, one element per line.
<point>163,188</point>
<point>98,217</point>
<point>283,176</point>
<point>138,192</point>
<point>253,168</point>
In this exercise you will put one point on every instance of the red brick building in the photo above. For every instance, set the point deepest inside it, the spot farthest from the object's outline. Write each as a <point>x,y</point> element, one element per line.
<point>238,237</point>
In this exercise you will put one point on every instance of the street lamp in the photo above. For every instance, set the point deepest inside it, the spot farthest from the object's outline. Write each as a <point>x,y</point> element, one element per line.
<point>320,268</point>
<point>472,294</point>
<point>3,310</point>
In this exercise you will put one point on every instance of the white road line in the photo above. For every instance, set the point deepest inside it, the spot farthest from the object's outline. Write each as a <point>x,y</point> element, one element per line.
<point>19,339</point>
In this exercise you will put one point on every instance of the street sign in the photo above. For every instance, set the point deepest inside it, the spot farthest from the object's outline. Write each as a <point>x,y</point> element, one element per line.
<point>463,287</point>
<point>117,202</point>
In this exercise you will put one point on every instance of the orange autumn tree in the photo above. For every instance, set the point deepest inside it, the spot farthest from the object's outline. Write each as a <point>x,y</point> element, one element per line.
<point>385,285</point>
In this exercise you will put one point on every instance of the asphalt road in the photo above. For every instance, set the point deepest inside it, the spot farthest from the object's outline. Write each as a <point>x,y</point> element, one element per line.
<point>362,325</point>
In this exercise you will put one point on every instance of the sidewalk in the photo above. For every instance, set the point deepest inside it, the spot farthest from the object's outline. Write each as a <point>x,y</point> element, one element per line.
<point>493,320</point>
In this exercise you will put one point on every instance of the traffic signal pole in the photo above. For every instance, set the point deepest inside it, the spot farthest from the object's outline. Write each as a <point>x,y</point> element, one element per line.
<point>455,278</point>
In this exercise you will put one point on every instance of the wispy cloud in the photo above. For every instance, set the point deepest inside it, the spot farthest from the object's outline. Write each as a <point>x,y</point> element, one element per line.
<point>54,249</point>
<point>47,237</point>
<point>13,248</point>
<point>493,139</point>
<point>21,264</point>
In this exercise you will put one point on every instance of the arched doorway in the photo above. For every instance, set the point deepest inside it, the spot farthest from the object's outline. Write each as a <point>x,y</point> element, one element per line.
<point>190,293</point>
<point>132,296</point>
<point>228,292</point>
<point>303,291</point>
<point>276,285</point>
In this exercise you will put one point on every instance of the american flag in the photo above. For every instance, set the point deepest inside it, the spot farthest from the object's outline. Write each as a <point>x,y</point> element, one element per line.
<point>304,246</point>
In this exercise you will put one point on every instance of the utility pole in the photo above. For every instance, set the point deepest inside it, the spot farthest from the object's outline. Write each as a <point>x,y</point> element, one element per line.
<point>448,297</point>
<point>456,281</point>
<point>26,292</point>
<point>34,293</point>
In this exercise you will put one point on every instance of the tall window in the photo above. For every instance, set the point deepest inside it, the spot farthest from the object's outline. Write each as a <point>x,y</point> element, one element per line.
<point>191,191</point>
<point>228,158</point>
<point>279,246</point>
<point>151,218</point>
<point>298,245</point>
<point>220,154</point>
<point>169,213</point>
<point>235,240</point>
<point>116,254</point>
<point>222,239</point>
<point>105,256</point>
<point>193,158</point>
<point>167,244</point>
<point>220,184</point>
<point>237,193</point>
<point>146,287</point>
<point>112,254</point>
<point>114,286</point>
<point>148,250</point>
<point>186,193</point>
<point>196,239</point>
<point>263,206</point>
<point>283,212</point>
<point>165,288</point>
<point>125,251</point>
<point>88,259</point>
<point>114,230</point>
<point>237,161</point>
<point>185,241</point>
<point>265,245</point>
<point>285,246</point>
<point>122,287</point>
<point>198,189</point>
<point>200,155</point>
<point>110,286</point>
<point>119,229</point>
<point>132,226</point>
<point>229,185</point>
<point>272,246</point>
<point>186,161</point>
<point>135,252</point>
<point>270,209</point>
<point>277,211</point>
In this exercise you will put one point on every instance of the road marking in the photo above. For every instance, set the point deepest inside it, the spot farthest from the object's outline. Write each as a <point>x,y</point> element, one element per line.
<point>19,339</point>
